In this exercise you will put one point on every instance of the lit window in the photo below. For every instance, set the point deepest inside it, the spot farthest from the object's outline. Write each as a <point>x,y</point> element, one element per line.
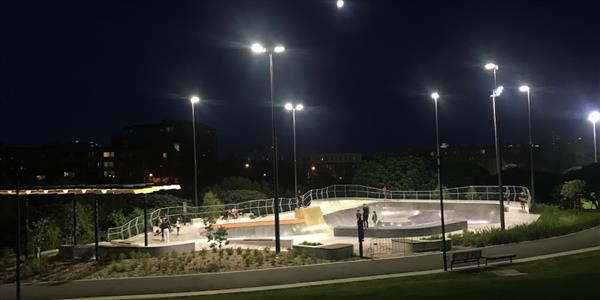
<point>68,174</point>
<point>109,164</point>
<point>108,154</point>
<point>164,155</point>
<point>40,177</point>
<point>176,147</point>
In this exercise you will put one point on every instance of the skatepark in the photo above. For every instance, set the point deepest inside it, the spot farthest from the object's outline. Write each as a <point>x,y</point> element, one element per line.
<point>328,216</point>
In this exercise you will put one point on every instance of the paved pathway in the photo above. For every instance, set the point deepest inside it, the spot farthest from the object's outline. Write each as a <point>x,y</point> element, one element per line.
<point>282,276</point>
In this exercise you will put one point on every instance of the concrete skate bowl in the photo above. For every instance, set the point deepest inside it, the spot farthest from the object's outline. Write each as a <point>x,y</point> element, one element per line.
<point>414,218</point>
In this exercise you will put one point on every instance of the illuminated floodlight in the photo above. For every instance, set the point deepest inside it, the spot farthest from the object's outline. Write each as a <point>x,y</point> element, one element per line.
<point>594,117</point>
<point>195,99</point>
<point>491,66</point>
<point>435,96</point>
<point>289,106</point>
<point>498,91</point>
<point>524,88</point>
<point>258,48</point>
<point>340,3</point>
<point>279,49</point>
<point>299,107</point>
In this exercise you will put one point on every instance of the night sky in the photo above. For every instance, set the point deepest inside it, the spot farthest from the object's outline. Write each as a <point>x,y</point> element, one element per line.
<point>83,70</point>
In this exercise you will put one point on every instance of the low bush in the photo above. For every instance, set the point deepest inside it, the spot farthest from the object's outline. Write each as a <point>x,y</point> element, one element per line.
<point>305,243</point>
<point>552,222</point>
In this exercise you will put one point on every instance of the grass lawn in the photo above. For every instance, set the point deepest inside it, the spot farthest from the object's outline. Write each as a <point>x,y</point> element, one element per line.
<point>569,277</point>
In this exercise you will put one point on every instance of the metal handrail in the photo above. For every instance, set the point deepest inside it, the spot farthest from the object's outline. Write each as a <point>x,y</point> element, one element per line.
<point>263,207</point>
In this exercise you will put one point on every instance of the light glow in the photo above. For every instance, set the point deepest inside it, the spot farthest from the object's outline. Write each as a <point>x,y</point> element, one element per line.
<point>195,99</point>
<point>524,88</point>
<point>435,96</point>
<point>340,3</point>
<point>491,66</point>
<point>258,48</point>
<point>279,49</point>
<point>289,106</point>
<point>498,91</point>
<point>299,107</point>
<point>594,117</point>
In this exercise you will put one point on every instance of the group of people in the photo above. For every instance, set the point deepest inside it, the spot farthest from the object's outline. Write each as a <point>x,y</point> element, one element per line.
<point>363,217</point>
<point>232,213</point>
<point>164,225</point>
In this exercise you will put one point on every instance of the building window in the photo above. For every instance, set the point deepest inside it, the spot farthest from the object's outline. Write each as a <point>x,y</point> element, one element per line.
<point>108,154</point>
<point>40,177</point>
<point>176,147</point>
<point>165,155</point>
<point>69,174</point>
<point>109,164</point>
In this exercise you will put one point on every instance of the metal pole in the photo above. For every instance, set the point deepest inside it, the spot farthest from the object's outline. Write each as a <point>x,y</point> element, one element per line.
<point>498,160</point>
<point>531,146</point>
<point>195,159</point>
<point>96,227</point>
<point>295,164</point>
<point>145,221</point>
<point>275,163</point>
<point>18,254</point>
<point>439,169</point>
<point>595,146</point>
<point>74,223</point>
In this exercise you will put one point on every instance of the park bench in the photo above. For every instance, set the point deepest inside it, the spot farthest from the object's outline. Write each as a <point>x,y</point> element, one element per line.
<point>465,257</point>
<point>508,256</point>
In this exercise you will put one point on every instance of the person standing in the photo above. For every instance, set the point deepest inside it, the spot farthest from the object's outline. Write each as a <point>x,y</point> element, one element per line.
<point>365,216</point>
<point>167,229</point>
<point>178,224</point>
<point>358,216</point>
<point>374,218</point>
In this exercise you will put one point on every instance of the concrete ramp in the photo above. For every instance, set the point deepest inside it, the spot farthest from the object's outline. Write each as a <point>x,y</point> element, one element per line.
<point>312,215</point>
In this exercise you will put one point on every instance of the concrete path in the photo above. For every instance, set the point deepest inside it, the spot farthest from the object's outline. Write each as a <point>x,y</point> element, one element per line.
<point>291,275</point>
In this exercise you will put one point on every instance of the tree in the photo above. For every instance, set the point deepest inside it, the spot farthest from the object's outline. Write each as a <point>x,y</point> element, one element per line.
<point>397,172</point>
<point>472,193</point>
<point>573,192</point>
<point>237,196</point>
<point>212,206</point>
<point>216,238</point>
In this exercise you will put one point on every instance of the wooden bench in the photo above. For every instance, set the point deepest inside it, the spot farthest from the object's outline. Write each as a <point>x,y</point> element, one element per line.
<point>465,257</point>
<point>508,256</point>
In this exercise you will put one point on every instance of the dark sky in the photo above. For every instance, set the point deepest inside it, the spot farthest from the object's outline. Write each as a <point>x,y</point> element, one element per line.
<point>85,69</point>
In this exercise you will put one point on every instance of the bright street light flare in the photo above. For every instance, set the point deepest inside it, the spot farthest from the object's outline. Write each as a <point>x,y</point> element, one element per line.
<point>524,88</point>
<point>491,66</point>
<point>498,91</point>
<point>340,3</point>
<point>594,116</point>
<point>289,106</point>
<point>195,99</point>
<point>258,48</point>
<point>435,96</point>
<point>299,107</point>
<point>279,49</point>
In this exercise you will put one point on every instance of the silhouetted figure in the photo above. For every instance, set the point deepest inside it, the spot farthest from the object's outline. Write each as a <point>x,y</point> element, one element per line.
<point>365,216</point>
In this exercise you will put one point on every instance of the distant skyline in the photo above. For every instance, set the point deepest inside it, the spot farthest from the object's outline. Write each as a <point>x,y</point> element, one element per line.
<point>84,70</point>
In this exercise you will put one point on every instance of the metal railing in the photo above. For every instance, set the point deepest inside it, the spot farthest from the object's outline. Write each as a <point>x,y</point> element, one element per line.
<point>263,207</point>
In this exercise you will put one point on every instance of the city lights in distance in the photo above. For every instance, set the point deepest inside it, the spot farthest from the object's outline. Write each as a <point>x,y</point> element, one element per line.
<point>246,165</point>
<point>594,116</point>
<point>340,3</point>
<point>313,168</point>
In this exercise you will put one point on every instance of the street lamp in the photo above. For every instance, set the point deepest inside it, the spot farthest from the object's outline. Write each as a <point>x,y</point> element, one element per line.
<point>435,96</point>
<point>194,100</point>
<point>525,89</point>
<point>259,49</point>
<point>291,107</point>
<point>594,117</point>
<point>340,3</point>
<point>496,93</point>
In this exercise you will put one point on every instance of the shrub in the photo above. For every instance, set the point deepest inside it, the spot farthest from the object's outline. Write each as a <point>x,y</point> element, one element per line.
<point>229,251</point>
<point>305,243</point>
<point>552,222</point>
<point>238,251</point>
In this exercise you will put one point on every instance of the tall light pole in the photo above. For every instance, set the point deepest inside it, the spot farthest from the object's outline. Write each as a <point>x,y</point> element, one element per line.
<point>496,93</point>
<point>294,108</point>
<point>259,49</point>
<point>435,96</point>
<point>525,89</point>
<point>194,100</point>
<point>594,117</point>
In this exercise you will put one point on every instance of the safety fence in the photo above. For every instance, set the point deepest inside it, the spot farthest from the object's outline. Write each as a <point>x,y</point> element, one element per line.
<point>264,207</point>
